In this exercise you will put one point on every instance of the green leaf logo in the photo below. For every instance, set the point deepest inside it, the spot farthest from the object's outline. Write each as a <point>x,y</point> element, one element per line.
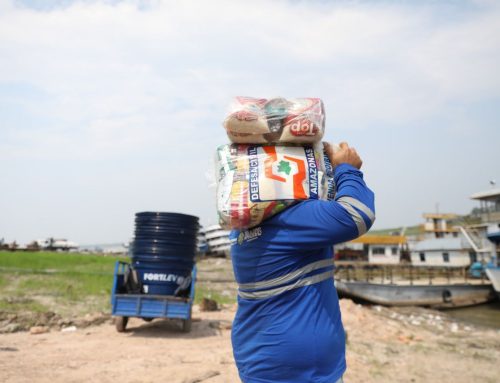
<point>284,167</point>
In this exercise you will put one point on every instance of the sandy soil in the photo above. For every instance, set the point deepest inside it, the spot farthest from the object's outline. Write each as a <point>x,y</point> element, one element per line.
<point>384,345</point>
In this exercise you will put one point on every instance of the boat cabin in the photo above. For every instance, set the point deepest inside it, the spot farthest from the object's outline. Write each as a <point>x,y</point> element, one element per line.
<point>375,249</point>
<point>489,205</point>
<point>489,214</point>
<point>448,252</point>
<point>437,225</point>
<point>217,240</point>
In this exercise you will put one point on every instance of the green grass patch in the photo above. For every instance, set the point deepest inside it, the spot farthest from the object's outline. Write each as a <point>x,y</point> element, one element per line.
<point>3,281</point>
<point>410,230</point>
<point>57,262</point>
<point>16,305</point>
<point>66,282</point>
<point>69,286</point>
<point>29,281</point>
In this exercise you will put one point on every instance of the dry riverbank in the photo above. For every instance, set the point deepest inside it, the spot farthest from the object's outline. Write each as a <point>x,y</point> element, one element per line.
<point>384,345</point>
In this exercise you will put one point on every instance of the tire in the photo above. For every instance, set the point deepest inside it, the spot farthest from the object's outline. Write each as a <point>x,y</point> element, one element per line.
<point>121,323</point>
<point>447,297</point>
<point>186,325</point>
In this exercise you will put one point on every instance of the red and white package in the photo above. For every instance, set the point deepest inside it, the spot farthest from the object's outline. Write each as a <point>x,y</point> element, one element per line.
<point>305,122</point>
<point>275,121</point>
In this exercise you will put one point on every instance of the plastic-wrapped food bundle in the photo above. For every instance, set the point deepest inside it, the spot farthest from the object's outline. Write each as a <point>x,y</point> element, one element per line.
<point>255,182</point>
<point>278,120</point>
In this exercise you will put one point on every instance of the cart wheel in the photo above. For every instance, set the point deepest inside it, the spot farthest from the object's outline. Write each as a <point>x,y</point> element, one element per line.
<point>121,323</point>
<point>186,325</point>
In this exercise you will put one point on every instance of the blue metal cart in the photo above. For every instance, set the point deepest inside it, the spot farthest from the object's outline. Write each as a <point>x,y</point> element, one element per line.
<point>125,305</point>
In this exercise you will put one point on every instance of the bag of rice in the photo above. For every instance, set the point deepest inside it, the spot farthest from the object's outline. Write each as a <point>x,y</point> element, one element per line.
<point>254,182</point>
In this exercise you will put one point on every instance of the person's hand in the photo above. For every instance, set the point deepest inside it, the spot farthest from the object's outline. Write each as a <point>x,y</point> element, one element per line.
<point>343,154</point>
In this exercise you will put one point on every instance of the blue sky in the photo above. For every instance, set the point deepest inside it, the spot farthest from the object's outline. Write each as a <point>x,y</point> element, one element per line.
<point>112,107</point>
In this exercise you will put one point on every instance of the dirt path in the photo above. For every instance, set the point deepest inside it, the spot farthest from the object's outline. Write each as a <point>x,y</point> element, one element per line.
<point>383,346</point>
<point>149,352</point>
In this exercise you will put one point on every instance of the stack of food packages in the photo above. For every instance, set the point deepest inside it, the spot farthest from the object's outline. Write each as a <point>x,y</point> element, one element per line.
<point>275,159</point>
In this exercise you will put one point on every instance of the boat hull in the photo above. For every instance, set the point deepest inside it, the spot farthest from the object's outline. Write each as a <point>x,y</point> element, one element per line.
<point>436,296</point>
<point>494,276</point>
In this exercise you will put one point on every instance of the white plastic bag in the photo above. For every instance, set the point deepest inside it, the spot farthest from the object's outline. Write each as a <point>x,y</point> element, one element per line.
<point>277,120</point>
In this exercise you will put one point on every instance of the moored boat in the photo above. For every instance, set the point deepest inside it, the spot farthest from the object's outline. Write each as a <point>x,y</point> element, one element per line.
<point>436,296</point>
<point>493,274</point>
<point>436,287</point>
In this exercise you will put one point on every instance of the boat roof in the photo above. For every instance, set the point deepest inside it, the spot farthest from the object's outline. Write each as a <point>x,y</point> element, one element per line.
<point>487,195</point>
<point>380,240</point>
<point>440,215</point>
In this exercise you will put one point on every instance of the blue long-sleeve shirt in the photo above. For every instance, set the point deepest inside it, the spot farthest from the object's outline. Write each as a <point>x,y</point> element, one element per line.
<point>288,327</point>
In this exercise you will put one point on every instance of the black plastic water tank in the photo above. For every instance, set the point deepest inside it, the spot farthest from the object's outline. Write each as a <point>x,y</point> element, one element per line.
<point>163,251</point>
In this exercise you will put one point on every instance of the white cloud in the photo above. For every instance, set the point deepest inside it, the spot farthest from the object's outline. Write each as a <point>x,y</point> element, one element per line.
<point>143,78</point>
<point>98,60</point>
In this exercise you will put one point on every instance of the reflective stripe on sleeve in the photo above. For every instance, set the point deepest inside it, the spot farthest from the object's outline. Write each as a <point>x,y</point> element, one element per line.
<point>360,206</point>
<point>357,218</point>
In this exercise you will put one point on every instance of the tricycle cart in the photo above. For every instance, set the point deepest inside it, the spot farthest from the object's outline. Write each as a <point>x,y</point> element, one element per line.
<point>125,304</point>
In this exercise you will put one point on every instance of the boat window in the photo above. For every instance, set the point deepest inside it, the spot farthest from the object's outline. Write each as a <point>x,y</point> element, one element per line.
<point>422,257</point>
<point>394,251</point>
<point>446,257</point>
<point>378,251</point>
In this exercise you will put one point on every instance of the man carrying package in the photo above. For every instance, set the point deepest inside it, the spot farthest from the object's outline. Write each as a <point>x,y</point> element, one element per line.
<point>288,327</point>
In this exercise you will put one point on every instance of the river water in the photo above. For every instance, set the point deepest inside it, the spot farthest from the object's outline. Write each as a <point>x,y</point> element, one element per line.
<point>487,315</point>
